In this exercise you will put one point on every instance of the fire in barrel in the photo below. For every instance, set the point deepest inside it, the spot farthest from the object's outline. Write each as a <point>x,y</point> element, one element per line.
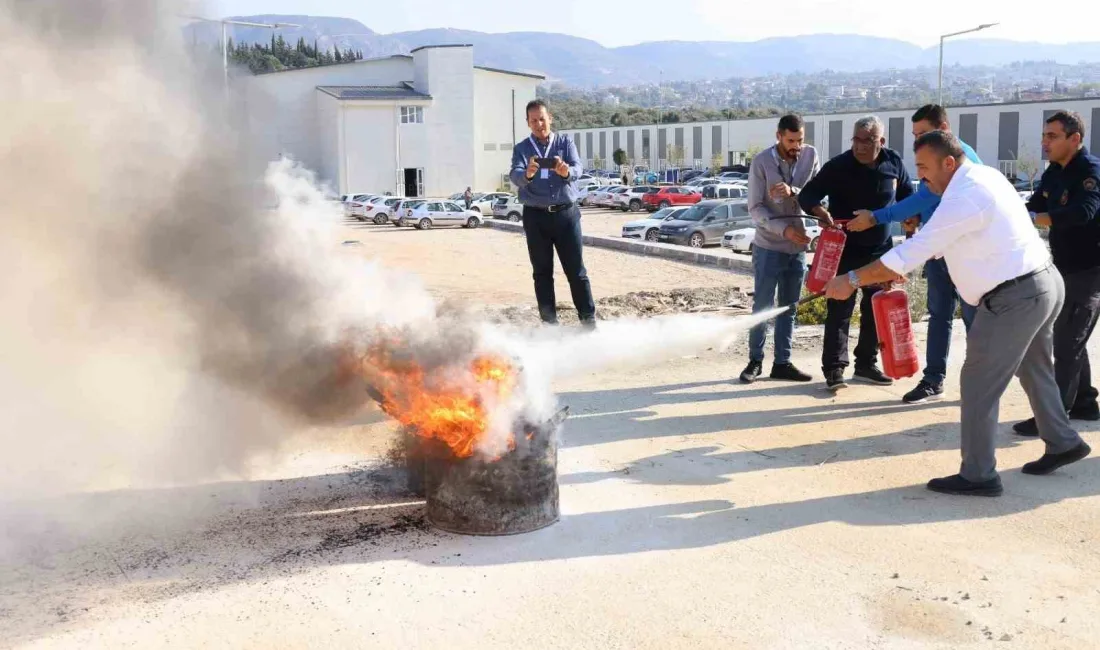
<point>483,471</point>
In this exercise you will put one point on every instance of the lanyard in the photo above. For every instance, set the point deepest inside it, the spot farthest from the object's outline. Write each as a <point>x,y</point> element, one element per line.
<point>779,166</point>
<point>549,146</point>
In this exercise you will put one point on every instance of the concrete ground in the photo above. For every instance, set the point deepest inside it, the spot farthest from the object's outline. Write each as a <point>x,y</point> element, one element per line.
<point>696,513</point>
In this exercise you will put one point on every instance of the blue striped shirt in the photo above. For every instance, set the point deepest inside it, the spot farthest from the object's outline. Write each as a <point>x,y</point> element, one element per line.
<point>542,192</point>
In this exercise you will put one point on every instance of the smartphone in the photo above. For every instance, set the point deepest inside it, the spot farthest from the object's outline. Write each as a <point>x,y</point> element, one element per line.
<point>546,163</point>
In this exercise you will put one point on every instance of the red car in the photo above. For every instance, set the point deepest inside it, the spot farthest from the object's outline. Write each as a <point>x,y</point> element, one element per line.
<point>669,196</point>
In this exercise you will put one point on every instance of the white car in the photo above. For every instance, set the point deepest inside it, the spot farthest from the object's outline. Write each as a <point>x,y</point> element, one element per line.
<point>726,191</point>
<point>508,208</point>
<point>425,214</point>
<point>631,198</point>
<point>605,198</point>
<point>376,210</point>
<point>483,203</point>
<point>647,229</point>
<point>354,204</point>
<point>740,240</point>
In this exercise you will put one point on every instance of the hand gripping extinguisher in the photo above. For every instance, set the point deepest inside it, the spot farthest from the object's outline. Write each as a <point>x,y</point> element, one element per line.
<point>830,246</point>
<point>895,333</point>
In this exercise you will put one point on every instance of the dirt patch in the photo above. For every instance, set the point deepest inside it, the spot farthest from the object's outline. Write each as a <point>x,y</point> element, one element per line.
<point>638,304</point>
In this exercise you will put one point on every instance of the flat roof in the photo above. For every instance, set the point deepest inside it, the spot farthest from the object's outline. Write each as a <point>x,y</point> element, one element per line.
<point>372,92</point>
<point>511,72</point>
<point>812,115</point>
<point>429,47</point>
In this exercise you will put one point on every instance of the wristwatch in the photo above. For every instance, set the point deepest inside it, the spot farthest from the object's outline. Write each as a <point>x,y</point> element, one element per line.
<point>853,279</point>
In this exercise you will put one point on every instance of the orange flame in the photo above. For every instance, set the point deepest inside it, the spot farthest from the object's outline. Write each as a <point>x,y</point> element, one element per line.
<point>451,405</point>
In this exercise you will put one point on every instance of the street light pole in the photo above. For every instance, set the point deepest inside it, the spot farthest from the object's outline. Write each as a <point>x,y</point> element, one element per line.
<point>939,84</point>
<point>225,37</point>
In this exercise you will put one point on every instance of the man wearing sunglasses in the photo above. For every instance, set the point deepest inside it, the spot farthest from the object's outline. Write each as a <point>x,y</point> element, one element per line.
<point>867,176</point>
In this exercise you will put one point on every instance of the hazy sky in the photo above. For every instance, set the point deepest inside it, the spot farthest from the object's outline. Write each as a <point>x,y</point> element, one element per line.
<point>613,23</point>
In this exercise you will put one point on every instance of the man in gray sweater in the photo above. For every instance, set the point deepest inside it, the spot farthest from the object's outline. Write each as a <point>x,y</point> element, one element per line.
<point>779,246</point>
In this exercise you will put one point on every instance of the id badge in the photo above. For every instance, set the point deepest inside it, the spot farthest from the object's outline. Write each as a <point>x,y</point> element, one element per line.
<point>545,173</point>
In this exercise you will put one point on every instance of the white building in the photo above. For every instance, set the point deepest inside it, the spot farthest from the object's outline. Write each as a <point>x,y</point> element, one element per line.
<point>1003,134</point>
<point>426,124</point>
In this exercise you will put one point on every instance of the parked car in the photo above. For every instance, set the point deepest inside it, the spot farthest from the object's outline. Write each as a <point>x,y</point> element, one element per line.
<point>733,176</point>
<point>648,229</point>
<point>484,202</point>
<point>353,206</point>
<point>605,197</point>
<point>669,196</point>
<point>692,174</point>
<point>646,177</point>
<point>426,214</point>
<point>631,198</point>
<point>508,208</point>
<point>705,223</point>
<point>384,213</point>
<point>375,209</point>
<point>725,191</point>
<point>401,209</point>
<point>740,240</point>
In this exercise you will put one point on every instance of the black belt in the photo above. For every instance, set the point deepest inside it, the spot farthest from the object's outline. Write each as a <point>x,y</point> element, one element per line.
<point>553,208</point>
<point>1016,280</point>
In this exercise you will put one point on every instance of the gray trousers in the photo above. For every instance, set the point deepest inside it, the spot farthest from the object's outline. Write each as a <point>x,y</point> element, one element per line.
<point>1012,334</point>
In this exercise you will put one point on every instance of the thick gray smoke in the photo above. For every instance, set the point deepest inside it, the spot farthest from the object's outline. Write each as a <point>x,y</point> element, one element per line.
<point>174,307</point>
<point>161,317</point>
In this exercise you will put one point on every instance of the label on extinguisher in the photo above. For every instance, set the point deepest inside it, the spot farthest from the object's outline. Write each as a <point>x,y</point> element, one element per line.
<point>901,337</point>
<point>830,252</point>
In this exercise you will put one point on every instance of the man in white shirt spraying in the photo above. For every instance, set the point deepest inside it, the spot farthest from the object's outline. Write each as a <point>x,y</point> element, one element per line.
<point>1000,265</point>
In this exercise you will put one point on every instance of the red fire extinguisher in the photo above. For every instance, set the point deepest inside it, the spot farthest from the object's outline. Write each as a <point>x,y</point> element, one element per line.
<point>895,333</point>
<point>830,246</point>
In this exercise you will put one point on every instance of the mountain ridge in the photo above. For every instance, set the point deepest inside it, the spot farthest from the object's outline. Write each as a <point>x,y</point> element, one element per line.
<point>582,62</point>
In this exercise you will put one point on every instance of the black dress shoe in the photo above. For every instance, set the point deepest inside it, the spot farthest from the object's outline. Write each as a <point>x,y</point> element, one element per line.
<point>788,372</point>
<point>1050,462</point>
<point>834,379</point>
<point>751,372</point>
<point>1085,411</point>
<point>1026,428</point>
<point>958,485</point>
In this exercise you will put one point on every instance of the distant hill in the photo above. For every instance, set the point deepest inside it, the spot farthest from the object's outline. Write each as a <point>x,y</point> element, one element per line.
<point>582,62</point>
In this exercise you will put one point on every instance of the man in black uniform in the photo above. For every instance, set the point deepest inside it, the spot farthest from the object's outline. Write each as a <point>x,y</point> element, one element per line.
<point>1068,201</point>
<point>866,177</point>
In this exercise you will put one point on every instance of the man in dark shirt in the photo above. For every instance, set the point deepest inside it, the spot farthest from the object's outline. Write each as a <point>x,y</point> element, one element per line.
<point>551,216</point>
<point>1068,202</point>
<point>866,177</point>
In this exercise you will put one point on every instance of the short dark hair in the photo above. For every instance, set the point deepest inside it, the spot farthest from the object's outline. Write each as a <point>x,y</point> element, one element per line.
<point>1071,122</point>
<point>944,143</point>
<point>791,122</point>
<point>534,105</point>
<point>934,114</point>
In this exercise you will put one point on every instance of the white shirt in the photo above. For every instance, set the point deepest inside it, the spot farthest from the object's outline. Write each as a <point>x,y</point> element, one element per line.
<point>982,230</point>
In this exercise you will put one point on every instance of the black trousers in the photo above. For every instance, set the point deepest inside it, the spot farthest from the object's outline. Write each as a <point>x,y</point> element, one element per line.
<point>561,231</point>
<point>838,320</point>
<point>1072,330</point>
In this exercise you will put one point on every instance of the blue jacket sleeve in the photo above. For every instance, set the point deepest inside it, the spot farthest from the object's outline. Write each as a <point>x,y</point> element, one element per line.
<point>913,205</point>
<point>518,175</point>
<point>817,189</point>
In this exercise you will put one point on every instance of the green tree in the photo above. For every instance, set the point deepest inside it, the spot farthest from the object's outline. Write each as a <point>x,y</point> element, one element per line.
<point>597,162</point>
<point>716,161</point>
<point>619,156</point>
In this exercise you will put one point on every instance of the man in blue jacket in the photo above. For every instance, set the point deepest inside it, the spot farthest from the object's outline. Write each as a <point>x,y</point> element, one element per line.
<point>942,297</point>
<point>545,168</point>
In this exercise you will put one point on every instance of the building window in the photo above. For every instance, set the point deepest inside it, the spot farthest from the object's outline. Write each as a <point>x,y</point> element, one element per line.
<point>490,146</point>
<point>412,114</point>
<point>506,146</point>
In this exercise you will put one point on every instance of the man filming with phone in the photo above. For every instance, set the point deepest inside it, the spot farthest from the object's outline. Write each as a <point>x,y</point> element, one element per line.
<point>545,168</point>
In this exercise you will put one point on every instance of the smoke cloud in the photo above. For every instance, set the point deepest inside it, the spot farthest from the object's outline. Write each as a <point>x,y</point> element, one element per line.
<point>174,306</point>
